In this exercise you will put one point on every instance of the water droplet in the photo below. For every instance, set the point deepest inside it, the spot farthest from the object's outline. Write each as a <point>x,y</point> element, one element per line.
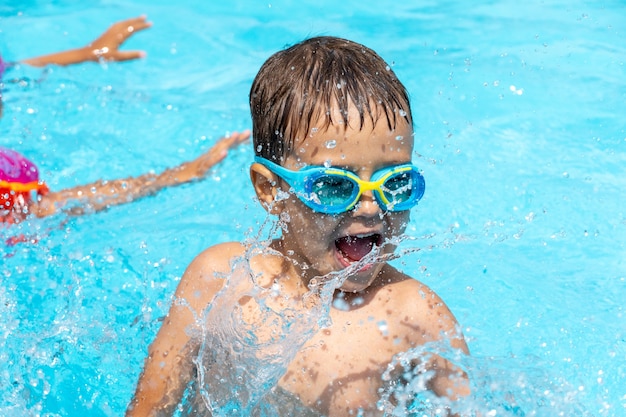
<point>358,301</point>
<point>399,137</point>
<point>330,144</point>
<point>281,195</point>
<point>402,113</point>
<point>383,327</point>
<point>341,304</point>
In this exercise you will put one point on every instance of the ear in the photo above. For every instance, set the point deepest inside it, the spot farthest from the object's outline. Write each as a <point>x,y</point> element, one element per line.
<point>265,184</point>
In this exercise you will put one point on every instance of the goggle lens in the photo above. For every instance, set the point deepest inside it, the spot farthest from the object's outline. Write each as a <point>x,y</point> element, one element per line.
<point>331,190</point>
<point>398,188</point>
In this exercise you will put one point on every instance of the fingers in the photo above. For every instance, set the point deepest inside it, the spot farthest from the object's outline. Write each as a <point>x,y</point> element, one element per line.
<point>109,42</point>
<point>126,55</point>
<point>233,140</point>
<point>126,28</point>
<point>239,137</point>
<point>136,24</point>
<point>219,151</point>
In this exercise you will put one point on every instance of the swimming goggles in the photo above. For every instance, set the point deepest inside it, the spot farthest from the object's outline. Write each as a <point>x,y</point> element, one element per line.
<point>335,190</point>
<point>24,187</point>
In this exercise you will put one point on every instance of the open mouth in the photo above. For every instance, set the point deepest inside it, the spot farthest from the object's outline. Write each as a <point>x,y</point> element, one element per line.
<point>354,248</point>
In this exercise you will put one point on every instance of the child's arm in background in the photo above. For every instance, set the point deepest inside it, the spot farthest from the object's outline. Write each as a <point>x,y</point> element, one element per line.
<point>104,194</point>
<point>106,47</point>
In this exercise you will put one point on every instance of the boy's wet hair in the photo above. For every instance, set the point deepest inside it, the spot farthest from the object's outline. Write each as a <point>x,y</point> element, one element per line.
<point>296,89</point>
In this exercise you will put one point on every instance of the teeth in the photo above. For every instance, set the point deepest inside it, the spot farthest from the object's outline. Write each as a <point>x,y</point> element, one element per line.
<point>364,235</point>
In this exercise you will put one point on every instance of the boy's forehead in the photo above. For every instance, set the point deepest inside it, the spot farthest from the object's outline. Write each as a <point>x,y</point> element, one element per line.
<point>347,136</point>
<point>336,136</point>
<point>337,144</point>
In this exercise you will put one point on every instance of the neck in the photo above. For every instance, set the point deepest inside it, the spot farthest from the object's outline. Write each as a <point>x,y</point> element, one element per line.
<point>294,265</point>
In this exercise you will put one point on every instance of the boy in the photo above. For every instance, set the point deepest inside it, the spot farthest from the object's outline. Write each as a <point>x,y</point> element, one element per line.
<point>309,325</point>
<point>19,179</point>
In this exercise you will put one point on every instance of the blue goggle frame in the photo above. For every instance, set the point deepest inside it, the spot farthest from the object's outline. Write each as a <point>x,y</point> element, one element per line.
<point>335,190</point>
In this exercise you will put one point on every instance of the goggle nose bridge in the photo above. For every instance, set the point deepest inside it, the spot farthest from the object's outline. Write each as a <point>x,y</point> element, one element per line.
<point>362,186</point>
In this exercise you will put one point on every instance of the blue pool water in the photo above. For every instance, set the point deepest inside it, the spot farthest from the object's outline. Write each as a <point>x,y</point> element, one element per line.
<point>520,131</point>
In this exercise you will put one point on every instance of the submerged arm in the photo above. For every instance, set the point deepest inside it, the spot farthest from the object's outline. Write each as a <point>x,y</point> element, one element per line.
<point>449,380</point>
<point>106,47</point>
<point>104,194</point>
<point>438,324</point>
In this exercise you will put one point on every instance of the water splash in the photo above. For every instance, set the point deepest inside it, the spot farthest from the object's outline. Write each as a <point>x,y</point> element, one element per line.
<point>252,331</point>
<point>502,387</point>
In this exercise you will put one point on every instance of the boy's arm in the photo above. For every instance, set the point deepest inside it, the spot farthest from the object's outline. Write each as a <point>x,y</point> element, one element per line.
<point>449,381</point>
<point>169,367</point>
<point>104,194</point>
<point>106,47</point>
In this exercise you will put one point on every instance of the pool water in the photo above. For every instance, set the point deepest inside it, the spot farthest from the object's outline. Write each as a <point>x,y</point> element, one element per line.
<point>520,131</point>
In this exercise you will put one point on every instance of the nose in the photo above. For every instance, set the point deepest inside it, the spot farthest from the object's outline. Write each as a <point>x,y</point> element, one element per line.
<point>367,206</point>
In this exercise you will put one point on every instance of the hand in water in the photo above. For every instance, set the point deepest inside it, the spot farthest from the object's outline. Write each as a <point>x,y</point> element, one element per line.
<point>199,167</point>
<point>104,48</point>
<point>107,46</point>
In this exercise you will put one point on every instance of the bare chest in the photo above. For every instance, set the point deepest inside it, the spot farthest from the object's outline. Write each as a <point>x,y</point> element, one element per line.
<point>344,363</point>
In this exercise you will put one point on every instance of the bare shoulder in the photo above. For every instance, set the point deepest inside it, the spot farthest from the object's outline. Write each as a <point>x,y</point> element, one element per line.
<point>406,289</point>
<point>217,258</point>
<point>205,275</point>
<point>419,307</point>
